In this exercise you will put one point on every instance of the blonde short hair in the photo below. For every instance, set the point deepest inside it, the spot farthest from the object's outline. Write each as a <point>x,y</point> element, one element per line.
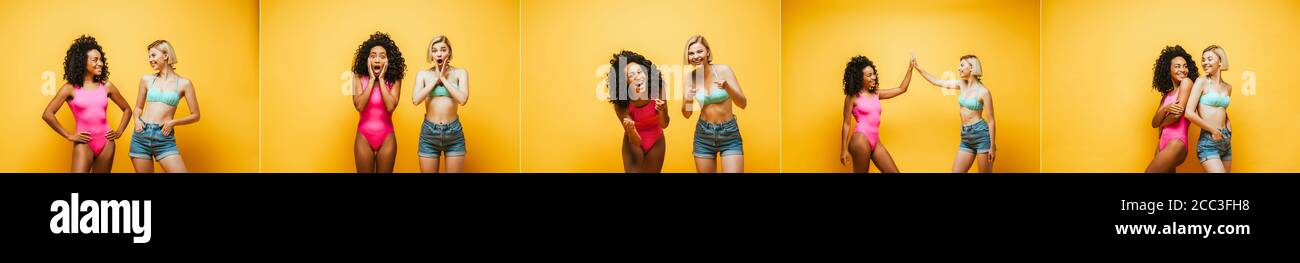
<point>166,48</point>
<point>974,62</point>
<point>691,41</point>
<point>428,52</point>
<point>1223,56</point>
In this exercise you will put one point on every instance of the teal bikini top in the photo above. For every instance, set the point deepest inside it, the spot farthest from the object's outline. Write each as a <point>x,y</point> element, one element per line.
<point>715,96</point>
<point>1215,100</point>
<point>155,94</point>
<point>439,91</point>
<point>718,95</point>
<point>970,103</point>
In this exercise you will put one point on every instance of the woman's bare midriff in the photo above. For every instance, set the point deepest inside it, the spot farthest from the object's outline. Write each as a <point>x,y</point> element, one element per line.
<point>717,113</point>
<point>1214,116</point>
<point>969,116</point>
<point>441,110</point>
<point>157,112</point>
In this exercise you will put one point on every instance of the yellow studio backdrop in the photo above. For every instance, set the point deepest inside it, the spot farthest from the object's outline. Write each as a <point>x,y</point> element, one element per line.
<point>308,121</point>
<point>568,129</point>
<point>921,128</point>
<point>1097,95</point>
<point>216,43</point>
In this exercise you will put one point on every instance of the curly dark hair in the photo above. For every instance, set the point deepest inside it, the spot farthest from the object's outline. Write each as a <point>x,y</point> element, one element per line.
<point>396,64</point>
<point>1161,80</point>
<point>853,75</point>
<point>74,63</point>
<point>616,72</point>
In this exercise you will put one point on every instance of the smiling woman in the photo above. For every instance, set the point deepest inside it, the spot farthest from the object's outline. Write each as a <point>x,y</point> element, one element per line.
<point>87,92</point>
<point>143,38</point>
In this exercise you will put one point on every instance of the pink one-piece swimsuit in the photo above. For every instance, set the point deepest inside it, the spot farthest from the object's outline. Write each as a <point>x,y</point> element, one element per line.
<point>1177,130</point>
<point>376,121</point>
<point>90,109</point>
<point>647,124</point>
<point>866,109</point>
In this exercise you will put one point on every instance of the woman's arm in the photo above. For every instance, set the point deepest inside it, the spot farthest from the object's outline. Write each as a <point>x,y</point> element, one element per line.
<point>191,101</point>
<point>902,87</point>
<point>733,87</point>
<point>661,107</point>
<point>117,98</point>
<point>422,88</point>
<point>993,139</point>
<point>64,94</point>
<point>845,130</point>
<point>1169,115</point>
<point>359,97</point>
<point>934,80</point>
<point>1162,115</point>
<point>139,100</point>
<point>629,126</point>
<point>688,97</point>
<point>460,89</point>
<point>389,93</point>
<point>1192,112</point>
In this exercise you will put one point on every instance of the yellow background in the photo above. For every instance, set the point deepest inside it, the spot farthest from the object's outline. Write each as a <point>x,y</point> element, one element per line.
<point>921,127</point>
<point>309,125</point>
<point>567,129</point>
<point>1097,95</point>
<point>216,42</point>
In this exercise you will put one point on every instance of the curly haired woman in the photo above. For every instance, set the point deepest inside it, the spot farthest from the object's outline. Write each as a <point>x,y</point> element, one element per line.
<point>637,91</point>
<point>93,145</point>
<point>378,69</point>
<point>1172,76</point>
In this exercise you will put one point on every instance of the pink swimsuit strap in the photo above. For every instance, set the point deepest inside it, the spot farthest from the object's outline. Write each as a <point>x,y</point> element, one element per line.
<point>647,124</point>
<point>866,109</point>
<point>376,121</point>
<point>1177,130</point>
<point>90,109</point>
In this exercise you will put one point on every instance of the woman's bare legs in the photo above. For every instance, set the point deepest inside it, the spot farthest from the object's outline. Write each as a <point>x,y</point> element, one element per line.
<point>142,165</point>
<point>455,164</point>
<point>173,164</point>
<point>1214,166</point>
<point>82,156</point>
<point>653,162</point>
<point>632,156</point>
<point>986,165</point>
<point>963,162</point>
<point>733,163</point>
<point>104,162</point>
<point>859,150</point>
<point>365,157</point>
<point>1168,159</point>
<point>706,165</point>
<point>883,160</point>
<point>428,165</point>
<point>387,154</point>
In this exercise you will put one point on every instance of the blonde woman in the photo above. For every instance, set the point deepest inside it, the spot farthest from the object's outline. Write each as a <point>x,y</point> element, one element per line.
<point>978,142</point>
<point>442,88</point>
<point>715,89</point>
<point>155,111</point>
<point>1207,107</point>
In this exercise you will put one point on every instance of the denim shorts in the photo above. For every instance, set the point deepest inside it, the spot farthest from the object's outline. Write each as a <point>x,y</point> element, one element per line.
<point>712,140</point>
<point>1207,148</point>
<point>150,143</point>
<point>975,138</point>
<point>436,139</point>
